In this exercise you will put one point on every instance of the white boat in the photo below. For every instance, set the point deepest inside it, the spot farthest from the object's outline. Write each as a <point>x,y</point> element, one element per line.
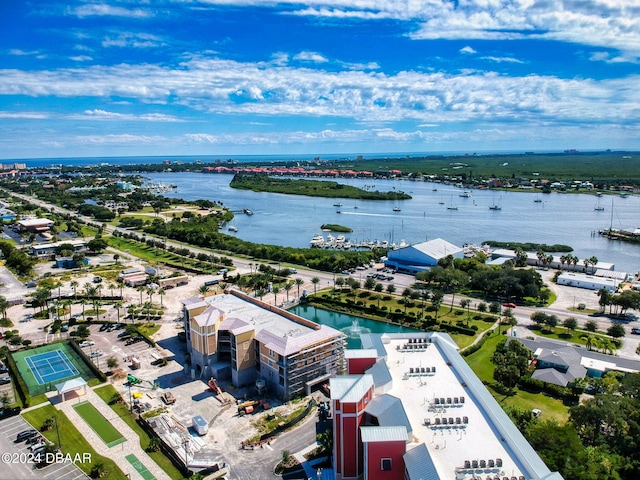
<point>624,194</point>
<point>598,207</point>
<point>465,194</point>
<point>340,239</point>
<point>232,228</point>
<point>317,240</point>
<point>337,204</point>
<point>396,209</point>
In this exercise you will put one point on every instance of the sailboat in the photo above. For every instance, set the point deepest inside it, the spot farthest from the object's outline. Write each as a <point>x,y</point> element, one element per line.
<point>495,206</point>
<point>537,199</point>
<point>598,207</point>
<point>451,205</point>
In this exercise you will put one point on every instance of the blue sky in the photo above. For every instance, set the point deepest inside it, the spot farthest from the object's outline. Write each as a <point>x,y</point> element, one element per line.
<point>233,77</point>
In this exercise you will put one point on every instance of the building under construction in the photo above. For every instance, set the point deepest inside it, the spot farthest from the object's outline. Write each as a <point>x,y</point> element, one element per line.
<point>237,338</point>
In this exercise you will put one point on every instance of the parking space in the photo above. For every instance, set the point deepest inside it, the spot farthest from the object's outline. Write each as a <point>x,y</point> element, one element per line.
<point>121,348</point>
<point>16,461</point>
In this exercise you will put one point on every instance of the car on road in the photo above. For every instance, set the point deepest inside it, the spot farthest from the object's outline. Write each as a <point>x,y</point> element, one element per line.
<point>86,343</point>
<point>103,327</point>
<point>635,331</point>
<point>509,305</point>
<point>5,380</point>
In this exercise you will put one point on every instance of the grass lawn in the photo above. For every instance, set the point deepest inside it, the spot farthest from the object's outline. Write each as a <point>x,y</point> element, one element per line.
<point>480,363</point>
<point>99,424</point>
<point>72,441</point>
<point>107,393</point>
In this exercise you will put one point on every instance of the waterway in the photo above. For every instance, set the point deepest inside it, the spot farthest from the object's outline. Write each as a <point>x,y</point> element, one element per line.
<point>291,220</point>
<point>351,325</point>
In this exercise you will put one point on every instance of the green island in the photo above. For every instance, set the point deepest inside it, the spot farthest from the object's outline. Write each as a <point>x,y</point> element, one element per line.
<point>334,227</point>
<point>530,247</point>
<point>310,188</point>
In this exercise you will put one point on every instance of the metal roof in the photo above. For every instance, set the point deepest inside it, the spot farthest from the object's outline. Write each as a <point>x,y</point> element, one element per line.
<point>380,372</point>
<point>383,434</point>
<point>389,411</point>
<point>419,465</point>
<point>350,388</point>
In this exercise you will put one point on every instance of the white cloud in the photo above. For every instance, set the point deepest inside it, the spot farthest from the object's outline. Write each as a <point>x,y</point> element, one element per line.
<point>117,139</point>
<point>501,59</point>
<point>310,57</point>
<point>98,114</point>
<point>21,53</point>
<point>24,115</point>
<point>601,23</point>
<point>133,40</point>
<point>467,50</point>
<point>102,9</point>
<point>225,87</point>
<point>81,58</point>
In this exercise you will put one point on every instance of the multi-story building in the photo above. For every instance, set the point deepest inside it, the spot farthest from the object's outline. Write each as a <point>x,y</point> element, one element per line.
<point>411,408</point>
<point>233,336</point>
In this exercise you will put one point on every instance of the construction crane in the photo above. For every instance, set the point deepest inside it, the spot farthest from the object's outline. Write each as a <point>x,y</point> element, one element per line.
<point>133,380</point>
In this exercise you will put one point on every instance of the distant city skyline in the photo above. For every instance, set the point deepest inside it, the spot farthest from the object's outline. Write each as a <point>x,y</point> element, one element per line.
<point>266,77</point>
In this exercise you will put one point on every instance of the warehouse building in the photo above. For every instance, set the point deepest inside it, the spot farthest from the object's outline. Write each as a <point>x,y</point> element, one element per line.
<point>419,257</point>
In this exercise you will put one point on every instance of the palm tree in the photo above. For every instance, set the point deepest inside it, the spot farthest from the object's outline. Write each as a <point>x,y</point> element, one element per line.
<point>118,305</point>
<point>593,261</point>
<point>276,291</point>
<point>315,281</point>
<point>287,287</point>
<point>111,287</point>
<point>162,293</point>
<point>299,282</point>
<point>140,289</point>
<point>465,303</point>
<point>74,284</point>
<point>203,290</point>
<point>4,305</point>
<point>83,302</point>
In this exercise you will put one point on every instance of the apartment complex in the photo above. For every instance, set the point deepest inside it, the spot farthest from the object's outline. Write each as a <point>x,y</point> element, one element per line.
<point>410,408</point>
<point>233,336</point>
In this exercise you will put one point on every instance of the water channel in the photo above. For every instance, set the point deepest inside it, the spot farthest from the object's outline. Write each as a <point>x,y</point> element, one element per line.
<point>291,220</point>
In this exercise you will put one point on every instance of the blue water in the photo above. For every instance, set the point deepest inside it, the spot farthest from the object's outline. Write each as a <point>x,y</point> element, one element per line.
<point>141,160</point>
<point>349,324</point>
<point>291,220</point>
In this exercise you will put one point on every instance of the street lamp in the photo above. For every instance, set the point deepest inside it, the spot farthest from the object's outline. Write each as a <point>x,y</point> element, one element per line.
<point>55,419</point>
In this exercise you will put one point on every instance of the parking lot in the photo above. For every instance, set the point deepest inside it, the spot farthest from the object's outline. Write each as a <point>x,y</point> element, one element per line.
<point>110,345</point>
<point>17,464</point>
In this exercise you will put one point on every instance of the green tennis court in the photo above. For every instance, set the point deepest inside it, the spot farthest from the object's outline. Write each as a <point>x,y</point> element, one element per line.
<point>99,424</point>
<point>140,468</point>
<point>43,367</point>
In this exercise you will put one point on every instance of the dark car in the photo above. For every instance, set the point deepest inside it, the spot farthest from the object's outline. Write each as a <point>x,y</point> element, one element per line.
<point>25,434</point>
<point>635,331</point>
<point>104,326</point>
<point>9,412</point>
<point>5,380</point>
<point>123,334</point>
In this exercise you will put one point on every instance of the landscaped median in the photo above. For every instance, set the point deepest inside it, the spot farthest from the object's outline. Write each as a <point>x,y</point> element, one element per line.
<point>73,443</point>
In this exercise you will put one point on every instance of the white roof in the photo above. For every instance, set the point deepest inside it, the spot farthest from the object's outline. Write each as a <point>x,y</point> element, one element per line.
<point>279,330</point>
<point>34,222</point>
<point>489,433</point>
<point>383,434</point>
<point>360,353</point>
<point>71,385</point>
<point>350,388</point>
<point>437,248</point>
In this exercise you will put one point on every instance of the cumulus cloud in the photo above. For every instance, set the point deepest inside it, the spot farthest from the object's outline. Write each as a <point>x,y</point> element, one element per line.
<point>226,87</point>
<point>600,23</point>
<point>467,50</point>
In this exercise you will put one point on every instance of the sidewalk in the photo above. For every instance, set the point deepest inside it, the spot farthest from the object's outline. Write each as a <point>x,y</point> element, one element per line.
<point>117,453</point>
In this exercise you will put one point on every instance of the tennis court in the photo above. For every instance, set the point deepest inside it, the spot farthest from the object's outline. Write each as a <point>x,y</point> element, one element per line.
<point>51,366</point>
<point>43,367</point>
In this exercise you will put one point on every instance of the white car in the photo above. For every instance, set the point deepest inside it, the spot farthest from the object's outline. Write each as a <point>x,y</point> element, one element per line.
<point>86,343</point>
<point>97,353</point>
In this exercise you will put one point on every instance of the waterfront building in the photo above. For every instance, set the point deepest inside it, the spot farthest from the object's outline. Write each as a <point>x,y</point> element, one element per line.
<point>42,250</point>
<point>233,336</point>
<point>590,282</point>
<point>411,408</point>
<point>421,256</point>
